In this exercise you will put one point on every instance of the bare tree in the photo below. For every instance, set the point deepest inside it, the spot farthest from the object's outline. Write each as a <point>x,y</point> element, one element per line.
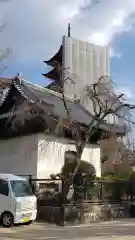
<point>3,53</point>
<point>103,101</point>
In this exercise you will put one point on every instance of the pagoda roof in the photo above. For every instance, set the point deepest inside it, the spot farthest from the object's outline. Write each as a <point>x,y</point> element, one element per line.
<point>49,100</point>
<point>51,85</point>
<point>53,75</point>
<point>56,58</point>
<point>54,86</point>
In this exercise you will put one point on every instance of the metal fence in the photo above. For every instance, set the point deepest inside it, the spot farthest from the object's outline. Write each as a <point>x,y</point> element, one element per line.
<point>94,191</point>
<point>112,191</point>
<point>51,205</point>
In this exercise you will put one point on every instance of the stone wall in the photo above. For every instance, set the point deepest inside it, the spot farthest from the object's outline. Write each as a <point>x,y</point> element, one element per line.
<point>106,212</point>
<point>86,213</point>
<point>92,212</point>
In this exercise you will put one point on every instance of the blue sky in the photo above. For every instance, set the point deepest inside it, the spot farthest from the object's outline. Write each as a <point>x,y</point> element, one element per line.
<point>123,68</point>
<point>35,28</point>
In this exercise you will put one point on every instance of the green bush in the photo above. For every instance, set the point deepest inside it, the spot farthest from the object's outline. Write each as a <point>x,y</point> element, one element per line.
<point>113,185</point>
<point>84,168</point>
<point>83,179</point>
<point>131,176</point>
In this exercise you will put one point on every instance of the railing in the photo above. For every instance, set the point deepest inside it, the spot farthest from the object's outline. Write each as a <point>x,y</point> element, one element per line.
<point>94,191</point>
<point>53,208</point>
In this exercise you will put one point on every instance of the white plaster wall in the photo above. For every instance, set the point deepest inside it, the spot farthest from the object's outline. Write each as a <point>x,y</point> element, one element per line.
<point>92,154</point>
<point>41,155</point>
<point>19,155</point>
<point>51,155</point>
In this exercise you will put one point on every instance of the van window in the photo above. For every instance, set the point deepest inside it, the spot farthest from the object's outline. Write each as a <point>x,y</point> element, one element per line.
<point>4,189</point>
<point>21,188</point>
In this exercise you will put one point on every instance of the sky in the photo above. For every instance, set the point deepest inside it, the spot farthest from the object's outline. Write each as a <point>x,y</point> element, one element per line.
<point>34,32</point>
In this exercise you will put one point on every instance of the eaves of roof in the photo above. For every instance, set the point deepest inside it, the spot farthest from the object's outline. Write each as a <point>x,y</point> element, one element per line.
<point>56,58</point>
<point>33,93</point>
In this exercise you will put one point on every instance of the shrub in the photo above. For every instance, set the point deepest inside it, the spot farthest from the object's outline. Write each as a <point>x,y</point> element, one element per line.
<point>83,178</point>
<point>131,176</point>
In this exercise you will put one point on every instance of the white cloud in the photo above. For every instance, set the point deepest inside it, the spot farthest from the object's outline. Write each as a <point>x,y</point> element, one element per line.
<point>129,95</point>
<point>116,25</point>
<point>36,26</point>
<point>127,91</point>
<point>114,53</point>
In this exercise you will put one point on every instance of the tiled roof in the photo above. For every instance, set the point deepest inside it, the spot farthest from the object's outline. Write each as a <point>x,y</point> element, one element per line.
<point>34,93</point>
<point>4,95</point>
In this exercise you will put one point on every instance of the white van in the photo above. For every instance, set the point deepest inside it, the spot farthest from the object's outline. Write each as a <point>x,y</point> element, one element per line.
<point>17,202</point>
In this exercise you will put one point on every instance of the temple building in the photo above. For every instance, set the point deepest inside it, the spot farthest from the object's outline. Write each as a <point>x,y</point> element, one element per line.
<point>29,113</point>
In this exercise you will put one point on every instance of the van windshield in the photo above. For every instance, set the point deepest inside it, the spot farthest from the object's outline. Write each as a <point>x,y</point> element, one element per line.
<point>21,188</point>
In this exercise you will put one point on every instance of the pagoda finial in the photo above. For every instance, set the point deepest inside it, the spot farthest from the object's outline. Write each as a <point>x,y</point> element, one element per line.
<point>69,29</point>
<point>19,77</point>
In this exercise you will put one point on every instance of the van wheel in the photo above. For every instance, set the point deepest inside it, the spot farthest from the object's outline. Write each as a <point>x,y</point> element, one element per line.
<point>7,220</point>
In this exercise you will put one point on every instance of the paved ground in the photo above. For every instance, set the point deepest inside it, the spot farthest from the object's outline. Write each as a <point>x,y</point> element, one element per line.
<point>116,230</point>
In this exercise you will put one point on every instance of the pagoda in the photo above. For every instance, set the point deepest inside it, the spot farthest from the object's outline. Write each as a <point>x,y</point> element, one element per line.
<point>56,60</point>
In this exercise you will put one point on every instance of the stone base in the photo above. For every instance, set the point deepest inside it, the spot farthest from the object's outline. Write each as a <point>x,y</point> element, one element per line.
<point>91,212</point>
<point>86,213</point>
